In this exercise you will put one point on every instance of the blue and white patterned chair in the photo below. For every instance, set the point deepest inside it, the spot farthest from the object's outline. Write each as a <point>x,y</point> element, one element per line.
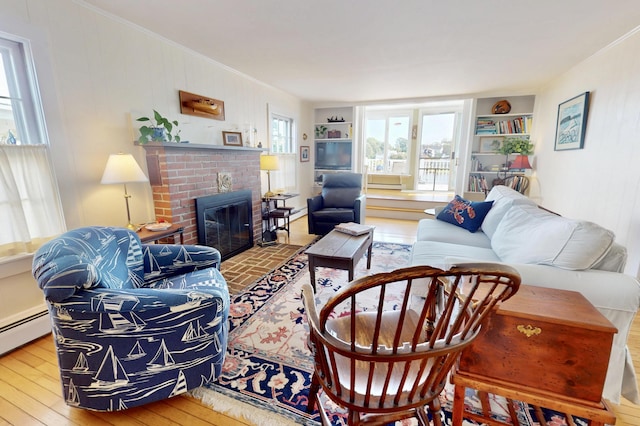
<point>133,323</point>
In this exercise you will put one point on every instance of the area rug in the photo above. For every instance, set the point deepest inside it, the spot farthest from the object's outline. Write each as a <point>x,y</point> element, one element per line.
<point>267,370</point>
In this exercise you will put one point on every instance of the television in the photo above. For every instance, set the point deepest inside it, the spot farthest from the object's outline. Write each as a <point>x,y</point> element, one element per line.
<point>333,155</point>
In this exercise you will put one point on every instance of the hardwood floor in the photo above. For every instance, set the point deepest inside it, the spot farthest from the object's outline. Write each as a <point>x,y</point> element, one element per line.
<point>30,391</point>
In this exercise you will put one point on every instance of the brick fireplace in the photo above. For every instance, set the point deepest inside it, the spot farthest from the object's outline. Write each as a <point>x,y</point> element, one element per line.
<point>180,173</point>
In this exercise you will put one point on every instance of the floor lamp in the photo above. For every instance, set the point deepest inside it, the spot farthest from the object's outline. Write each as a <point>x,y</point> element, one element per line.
<point>123,168</point>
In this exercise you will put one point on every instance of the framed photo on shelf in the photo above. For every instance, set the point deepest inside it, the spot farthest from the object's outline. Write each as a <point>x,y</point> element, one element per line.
<point>304,154</point>
<point>572,123</point>
<point>490,144</point>
<point>232,138</point>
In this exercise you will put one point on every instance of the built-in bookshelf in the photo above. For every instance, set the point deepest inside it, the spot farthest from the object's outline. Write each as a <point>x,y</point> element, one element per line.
<point>490,129</point>
<point>333,150</point>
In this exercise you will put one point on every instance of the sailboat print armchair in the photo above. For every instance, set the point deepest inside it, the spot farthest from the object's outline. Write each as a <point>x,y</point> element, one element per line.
<point>133,323</point>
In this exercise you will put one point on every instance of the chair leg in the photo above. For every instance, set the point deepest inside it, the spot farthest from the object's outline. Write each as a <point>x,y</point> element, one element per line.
<point>313,394</point>
<point>434,409</point>
<point>421,415</point>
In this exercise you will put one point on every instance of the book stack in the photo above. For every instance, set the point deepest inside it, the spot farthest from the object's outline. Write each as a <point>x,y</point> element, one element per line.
<point>353,228</point>
<point>515,125</point>
<point>485,126</point>
<point>478,183</point>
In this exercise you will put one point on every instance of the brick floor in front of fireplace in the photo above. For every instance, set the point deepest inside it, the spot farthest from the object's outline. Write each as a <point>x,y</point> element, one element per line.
<point>245,268</point>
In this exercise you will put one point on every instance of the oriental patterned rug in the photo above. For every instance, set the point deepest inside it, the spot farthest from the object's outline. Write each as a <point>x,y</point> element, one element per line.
<point>267,370</point>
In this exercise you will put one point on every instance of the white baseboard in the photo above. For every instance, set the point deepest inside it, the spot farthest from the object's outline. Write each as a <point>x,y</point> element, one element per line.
<point>17,334</point>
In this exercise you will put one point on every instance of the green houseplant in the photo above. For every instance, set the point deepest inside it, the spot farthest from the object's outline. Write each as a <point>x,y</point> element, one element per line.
<point>321,131</point>
<point>159,129</point>
<point>514,145</point>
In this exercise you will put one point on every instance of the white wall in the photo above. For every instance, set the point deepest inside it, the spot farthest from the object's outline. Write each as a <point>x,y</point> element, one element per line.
<point>95,73</point>
<point>601,182</point>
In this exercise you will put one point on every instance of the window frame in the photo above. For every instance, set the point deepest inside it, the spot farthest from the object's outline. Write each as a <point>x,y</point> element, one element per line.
<point>24,93</point>
<point>387,114</point>
<point>25,115</point>
<point>282,143</point>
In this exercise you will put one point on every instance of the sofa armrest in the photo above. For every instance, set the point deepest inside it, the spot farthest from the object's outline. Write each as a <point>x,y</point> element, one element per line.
<point>166,260</point>
<point>61,278</point>
<point>313,204</point>
<point>360,208</point>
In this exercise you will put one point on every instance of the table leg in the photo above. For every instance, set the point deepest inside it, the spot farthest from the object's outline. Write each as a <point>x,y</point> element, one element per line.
<point>369,253</point>
<point>312,272</point>
<point>458,405</point>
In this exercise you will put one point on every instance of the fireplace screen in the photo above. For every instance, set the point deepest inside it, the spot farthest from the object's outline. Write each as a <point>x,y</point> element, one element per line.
<point>225,222</point>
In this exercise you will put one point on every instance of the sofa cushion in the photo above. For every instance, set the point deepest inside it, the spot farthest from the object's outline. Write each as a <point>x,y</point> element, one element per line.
<point>464,213</point>
<point>531,235</point>
<point>503,199</point>
<point>340,197</point>
<point>437,230</point>
<point>433,253</point>
<point>334,215</point>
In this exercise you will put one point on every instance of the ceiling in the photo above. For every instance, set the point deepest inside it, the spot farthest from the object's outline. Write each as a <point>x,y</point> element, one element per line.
<point>357,51</point>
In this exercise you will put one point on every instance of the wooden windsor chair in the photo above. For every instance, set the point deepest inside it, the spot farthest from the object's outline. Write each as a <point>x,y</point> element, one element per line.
<point>385,363</point>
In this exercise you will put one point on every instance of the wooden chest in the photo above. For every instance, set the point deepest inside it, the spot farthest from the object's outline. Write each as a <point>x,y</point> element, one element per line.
<point>546,339</point>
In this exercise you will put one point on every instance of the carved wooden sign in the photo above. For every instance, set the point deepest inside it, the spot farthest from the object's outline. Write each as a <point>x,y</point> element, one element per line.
<point>201,106</point>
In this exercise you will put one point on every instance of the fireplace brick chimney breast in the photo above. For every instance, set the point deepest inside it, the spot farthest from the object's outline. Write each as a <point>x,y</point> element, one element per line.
<point>180,173</point>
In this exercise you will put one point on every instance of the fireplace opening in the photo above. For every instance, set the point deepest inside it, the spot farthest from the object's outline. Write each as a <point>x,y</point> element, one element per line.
<point>225,222</point>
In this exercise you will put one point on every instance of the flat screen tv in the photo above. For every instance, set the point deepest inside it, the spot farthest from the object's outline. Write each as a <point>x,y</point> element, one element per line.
<point>333,155</point>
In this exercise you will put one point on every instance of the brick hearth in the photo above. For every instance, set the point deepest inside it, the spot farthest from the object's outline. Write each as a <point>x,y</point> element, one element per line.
<point>180,173</point>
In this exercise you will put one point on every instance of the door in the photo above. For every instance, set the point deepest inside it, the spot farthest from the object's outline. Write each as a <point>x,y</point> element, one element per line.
<point>438,144</point>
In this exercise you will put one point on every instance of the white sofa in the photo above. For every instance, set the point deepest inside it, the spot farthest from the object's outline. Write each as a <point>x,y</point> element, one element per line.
<point>548,251</point>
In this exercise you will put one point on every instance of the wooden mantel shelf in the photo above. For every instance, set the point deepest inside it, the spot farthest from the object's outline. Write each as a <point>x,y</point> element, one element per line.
<point>174,145</point>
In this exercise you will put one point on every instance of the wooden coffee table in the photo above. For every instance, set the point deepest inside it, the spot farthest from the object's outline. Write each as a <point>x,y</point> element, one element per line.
<point>340,251</point>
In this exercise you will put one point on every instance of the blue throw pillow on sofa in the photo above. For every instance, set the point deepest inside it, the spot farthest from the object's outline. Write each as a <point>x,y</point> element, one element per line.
<point>464,213</point>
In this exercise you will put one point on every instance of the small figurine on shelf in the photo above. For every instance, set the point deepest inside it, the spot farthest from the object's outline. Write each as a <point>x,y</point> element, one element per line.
<point>335,119</point>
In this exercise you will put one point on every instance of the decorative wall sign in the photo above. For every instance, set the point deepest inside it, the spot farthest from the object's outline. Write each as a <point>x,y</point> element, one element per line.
<point>201,106</point>
<point>572,123</point>
<point>225,182</point>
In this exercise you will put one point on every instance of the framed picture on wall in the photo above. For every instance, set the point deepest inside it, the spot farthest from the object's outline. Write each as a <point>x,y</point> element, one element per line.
<point>304,154</point>
<point>572,123</point>
<point>232,138</point>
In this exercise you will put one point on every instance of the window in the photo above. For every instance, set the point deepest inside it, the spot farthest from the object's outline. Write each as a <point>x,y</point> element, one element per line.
<point>283,145</point>
<point>387,141</point>
<point>282,135</point>
<point>29,199</point>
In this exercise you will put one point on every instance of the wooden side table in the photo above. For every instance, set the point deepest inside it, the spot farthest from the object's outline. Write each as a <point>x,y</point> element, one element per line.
<point>271,213</point>
<point>546,347</point>
<point>147,236</point>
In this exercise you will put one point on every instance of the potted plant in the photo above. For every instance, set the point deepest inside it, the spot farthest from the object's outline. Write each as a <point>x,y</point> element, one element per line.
<point>159,130</point>
<point>514,145</point>
<point>321,131</point>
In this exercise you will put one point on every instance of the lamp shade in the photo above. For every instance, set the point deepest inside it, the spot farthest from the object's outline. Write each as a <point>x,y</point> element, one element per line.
<point>520,163</point>
<point>122,168</point>
<point>269,162</point>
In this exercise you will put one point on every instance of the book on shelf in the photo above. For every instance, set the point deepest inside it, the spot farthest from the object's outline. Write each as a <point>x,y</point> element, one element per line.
<point>514,125</point>
<point>353,228</point>
<point>478,183</point>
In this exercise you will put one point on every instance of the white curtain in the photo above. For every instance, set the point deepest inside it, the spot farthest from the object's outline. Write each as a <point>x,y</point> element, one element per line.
<point>29,201</point>
<point>285,177</point>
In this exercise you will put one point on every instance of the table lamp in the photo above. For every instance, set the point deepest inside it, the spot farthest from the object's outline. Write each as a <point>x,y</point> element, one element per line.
<point>268,163</point>
<point>123,168</point>
<point>521,163</point>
